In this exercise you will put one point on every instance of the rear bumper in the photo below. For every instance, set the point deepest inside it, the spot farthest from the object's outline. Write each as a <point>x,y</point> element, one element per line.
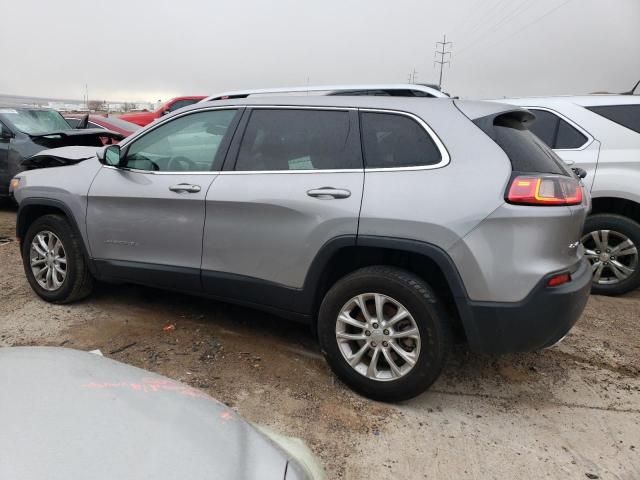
<point>540,320</point>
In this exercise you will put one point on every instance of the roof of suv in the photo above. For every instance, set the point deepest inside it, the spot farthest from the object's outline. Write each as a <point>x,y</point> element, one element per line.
<point>583,100</point>
<point>430,91</point>
<point>473,109</point>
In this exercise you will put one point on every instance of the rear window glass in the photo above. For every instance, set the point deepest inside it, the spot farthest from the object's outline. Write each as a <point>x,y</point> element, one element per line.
<point>392,140</point>
<point>526,151</point>
<point>625,115</point>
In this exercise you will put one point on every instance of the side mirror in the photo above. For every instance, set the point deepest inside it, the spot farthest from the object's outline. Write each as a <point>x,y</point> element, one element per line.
<point>165,112</point>
<point>110,155</point>
<point>580,172</point>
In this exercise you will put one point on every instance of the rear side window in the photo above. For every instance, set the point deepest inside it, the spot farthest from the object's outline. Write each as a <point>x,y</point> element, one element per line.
<point>181,103</point>
<point>527,153</point>
<point>625,115</point>
<point>392,141</point>
<point>292,139</point>
<point>556,132</point>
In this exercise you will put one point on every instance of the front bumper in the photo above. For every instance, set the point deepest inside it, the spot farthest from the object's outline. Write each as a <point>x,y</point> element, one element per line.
<point>540,320</point>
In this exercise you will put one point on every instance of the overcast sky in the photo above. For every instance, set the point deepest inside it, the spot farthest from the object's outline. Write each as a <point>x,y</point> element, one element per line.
<point>155,49</point>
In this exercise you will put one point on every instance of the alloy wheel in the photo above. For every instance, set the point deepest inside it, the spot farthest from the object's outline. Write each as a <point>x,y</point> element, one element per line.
<point>48,260</point>
<point>378,337</point>
<point>613,256</point>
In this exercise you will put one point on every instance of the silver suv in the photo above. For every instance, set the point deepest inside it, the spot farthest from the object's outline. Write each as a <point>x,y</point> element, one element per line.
<point>391,225</point>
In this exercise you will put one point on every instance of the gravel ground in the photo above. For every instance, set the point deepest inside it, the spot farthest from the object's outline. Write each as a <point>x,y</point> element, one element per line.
<point>572,411</point>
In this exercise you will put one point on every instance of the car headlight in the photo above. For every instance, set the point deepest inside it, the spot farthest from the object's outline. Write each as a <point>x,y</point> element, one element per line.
<point>14,184</point>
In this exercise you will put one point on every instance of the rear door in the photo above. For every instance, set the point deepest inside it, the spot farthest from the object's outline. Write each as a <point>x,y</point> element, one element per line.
<point>292,183</point>
<point>145,220</point>
<point>573,144</point>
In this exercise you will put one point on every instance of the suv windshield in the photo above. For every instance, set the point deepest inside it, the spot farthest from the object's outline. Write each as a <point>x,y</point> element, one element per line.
<point>34,121</point>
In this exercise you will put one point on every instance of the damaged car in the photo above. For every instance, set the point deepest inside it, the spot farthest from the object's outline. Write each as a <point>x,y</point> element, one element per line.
<point>26,131</point>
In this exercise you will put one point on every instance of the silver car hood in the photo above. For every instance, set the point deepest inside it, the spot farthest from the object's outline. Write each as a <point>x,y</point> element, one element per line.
<point>70,414</point>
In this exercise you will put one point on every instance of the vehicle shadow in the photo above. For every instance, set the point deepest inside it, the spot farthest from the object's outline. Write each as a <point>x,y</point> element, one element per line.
<point>513,379</point>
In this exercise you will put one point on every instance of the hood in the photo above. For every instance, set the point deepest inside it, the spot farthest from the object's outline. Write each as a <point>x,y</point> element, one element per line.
<point>84,137</point>
<point>56,157</point>
<point>71,414</point>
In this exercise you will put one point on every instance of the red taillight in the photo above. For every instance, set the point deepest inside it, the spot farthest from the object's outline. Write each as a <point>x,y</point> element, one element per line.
<point>545,190</point>
<point>560,279</point>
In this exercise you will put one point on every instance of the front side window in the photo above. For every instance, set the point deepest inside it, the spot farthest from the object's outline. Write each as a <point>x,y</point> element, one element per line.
<point>297,139</point>
<point>626,115</point>
<point>187,143</point>
<point>392,141</point>
<point>556,132</point>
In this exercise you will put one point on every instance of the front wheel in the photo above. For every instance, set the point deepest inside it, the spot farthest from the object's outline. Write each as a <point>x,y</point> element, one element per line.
<point>53,261</point>
<point>611,244</point>
<point>383,333</point>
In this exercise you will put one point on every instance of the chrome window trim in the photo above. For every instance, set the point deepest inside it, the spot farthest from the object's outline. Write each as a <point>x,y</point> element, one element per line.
<point>445,158</point>
<point>154,172</point>
<point>590,138</point>
<point>267,172</point>
<point>444,154</point>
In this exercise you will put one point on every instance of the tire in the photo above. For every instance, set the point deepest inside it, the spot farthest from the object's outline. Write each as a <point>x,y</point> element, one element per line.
<point>402,289</point>
<point>618,229</point>
<point>77,282</point>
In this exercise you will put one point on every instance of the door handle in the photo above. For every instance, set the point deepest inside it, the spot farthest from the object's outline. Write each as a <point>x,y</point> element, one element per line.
<point>327,193</point>
<point>185,187</point>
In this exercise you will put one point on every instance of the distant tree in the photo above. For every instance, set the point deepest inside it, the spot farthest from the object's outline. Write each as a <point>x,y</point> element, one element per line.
<point>97,105</point>
<point>128,106</point>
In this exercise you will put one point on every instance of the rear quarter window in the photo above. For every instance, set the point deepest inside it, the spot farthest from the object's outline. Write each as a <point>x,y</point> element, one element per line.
<point>527,153</point>
<point>555,132</point>
<point>391,140</point>
<point>626,115</point>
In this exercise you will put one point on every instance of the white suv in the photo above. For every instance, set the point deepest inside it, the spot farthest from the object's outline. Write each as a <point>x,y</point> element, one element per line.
<point>600,134</point>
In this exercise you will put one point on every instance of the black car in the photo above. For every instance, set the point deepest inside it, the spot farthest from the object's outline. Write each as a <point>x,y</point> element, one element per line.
<point>25,131</point>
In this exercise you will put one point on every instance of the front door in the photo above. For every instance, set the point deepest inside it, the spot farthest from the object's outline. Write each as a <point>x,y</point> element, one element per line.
<point>295,186</point>
<point>145,220</point>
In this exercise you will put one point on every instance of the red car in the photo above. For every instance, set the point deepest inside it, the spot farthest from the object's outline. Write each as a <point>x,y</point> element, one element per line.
<point>77,120</point>
<point>144,118</point>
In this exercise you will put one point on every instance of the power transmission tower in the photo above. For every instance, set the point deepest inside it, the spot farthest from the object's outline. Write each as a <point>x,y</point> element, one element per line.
<point>443,55</point>
<point>413,76</point>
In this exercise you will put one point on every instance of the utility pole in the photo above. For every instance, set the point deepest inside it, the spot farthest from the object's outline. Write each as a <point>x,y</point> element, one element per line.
<point>443,55</point>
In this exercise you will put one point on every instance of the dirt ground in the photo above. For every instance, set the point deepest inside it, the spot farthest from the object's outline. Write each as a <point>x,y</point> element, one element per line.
<point>572,411</point>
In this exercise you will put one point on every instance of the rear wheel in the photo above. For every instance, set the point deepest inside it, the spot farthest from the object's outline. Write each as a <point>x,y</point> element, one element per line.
<point>611,244</point>
<point>53,261</point>
<point>384,333</point>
